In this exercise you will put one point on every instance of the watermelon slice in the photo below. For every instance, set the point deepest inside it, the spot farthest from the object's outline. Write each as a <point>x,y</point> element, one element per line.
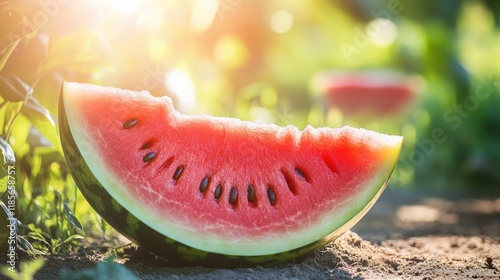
<point>368,93</point>
<point>218,191</point>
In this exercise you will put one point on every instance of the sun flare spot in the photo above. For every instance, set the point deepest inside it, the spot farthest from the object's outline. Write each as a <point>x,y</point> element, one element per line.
<point>123,6</point>
<point>180,84</point>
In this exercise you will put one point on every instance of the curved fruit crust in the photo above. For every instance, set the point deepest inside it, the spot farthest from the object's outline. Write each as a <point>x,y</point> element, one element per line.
<point>130,226</point>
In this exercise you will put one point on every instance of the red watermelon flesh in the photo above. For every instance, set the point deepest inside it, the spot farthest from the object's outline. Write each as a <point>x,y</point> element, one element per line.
<point>377,94</point>
<point>224,185</point>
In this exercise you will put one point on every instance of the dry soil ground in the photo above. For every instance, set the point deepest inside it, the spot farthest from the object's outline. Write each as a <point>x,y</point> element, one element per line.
<point>404,236</point>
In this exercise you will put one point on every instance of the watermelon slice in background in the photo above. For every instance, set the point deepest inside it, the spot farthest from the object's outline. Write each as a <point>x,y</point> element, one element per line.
<point>217,191</point>
<point>368,94</point>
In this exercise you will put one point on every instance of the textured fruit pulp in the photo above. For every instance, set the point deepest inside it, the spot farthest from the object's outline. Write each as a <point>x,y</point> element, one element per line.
<point>353,99</point>
<point>355,94</point>
<point>311,172</point>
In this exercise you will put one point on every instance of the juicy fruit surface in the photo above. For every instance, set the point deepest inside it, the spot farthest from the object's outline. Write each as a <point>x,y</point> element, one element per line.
<point>369,94</point>
<point>381,100</point>
<point>234,183</point>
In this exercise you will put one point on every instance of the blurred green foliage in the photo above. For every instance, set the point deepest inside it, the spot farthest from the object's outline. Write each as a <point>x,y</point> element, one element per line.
<point>254,60</point>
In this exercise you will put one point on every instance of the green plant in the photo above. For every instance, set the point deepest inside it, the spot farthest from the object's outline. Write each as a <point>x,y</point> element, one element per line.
<point>26,271</point>
<point>34,58</point>
<point>49,219</point>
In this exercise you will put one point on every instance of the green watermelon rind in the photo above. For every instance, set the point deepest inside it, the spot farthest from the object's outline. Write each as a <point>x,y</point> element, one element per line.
<point>136,230</point>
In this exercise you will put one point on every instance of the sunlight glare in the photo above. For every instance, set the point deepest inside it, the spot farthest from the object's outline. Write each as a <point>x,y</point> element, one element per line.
<point>122,6</point>
<point>383,32</point>
<point>203,15</point>
<point>151,19</point>
<point>281,22</point>
<point>418,213</point>
<point>179,83</point>
<point>230,51</point>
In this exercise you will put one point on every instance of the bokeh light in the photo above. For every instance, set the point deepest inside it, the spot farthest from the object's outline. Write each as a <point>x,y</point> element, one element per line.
<point>230,51</point>
<point>281,21</point>
<point>203,14</point>
<point>122,6</point>
<point>179,83</point>
<point>383,32</point>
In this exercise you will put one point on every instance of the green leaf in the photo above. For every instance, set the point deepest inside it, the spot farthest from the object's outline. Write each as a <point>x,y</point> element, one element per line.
<point>25,244</point>
<point>72,219</point>
<point>68,240</point>
<point>27,270</point>
<point>30,268</point>
<point>37,236</point>
<point>19,133</point>
<point>36,139</point>
<point>33,107</point>
<point>8,155</point>
<point>42,120</point>
<point>13,89</point>
<point>85,50</point>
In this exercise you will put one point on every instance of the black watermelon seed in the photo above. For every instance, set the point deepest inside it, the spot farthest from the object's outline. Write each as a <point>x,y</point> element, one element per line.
<point>178,172</point>
<point>130,123</point>
<point>218,191</point>
<point>204,184</point>
<point>147,144</point>
<point>300,173</point>
<point>233,195</point>
<point>149,157</point>
<point>251,193</point>
<point>271,195</point>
